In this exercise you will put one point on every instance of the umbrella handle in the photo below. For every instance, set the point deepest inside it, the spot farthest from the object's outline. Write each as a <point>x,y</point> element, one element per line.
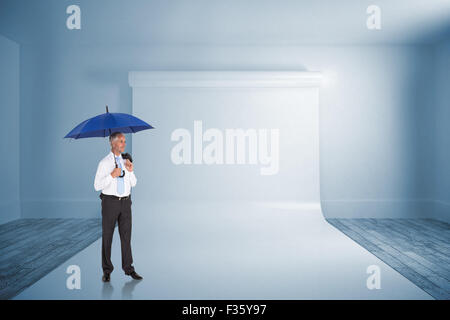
<point>123,174</point>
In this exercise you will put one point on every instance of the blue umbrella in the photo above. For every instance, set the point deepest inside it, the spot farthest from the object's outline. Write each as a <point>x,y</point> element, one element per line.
<point>105,124</point>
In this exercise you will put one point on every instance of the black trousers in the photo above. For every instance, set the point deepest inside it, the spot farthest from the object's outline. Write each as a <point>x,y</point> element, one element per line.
<point>116,210</point>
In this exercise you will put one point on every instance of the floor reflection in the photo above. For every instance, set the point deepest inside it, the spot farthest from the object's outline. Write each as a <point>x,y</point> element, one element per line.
<point>107,290</point>
<point>128,288</point>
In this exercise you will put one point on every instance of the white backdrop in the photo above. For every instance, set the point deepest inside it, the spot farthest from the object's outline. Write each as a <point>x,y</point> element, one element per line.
<point>287,101</point>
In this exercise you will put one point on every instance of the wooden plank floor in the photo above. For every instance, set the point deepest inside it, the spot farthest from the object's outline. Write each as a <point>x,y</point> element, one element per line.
<point>31,248</point>
<point>419,249</point>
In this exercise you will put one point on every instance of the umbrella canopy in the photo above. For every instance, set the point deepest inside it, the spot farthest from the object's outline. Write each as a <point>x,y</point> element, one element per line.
<point>105,124</point>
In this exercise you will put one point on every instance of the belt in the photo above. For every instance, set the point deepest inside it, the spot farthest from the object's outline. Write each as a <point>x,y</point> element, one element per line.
<point>102,195</point>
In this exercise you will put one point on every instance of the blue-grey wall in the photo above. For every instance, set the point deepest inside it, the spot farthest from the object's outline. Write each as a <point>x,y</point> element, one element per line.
<point>439,162</point>
<point>369,106</point>
<point>9,129</point>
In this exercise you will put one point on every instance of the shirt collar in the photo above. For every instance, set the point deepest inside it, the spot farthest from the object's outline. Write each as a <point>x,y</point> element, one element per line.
<point>111,154</point>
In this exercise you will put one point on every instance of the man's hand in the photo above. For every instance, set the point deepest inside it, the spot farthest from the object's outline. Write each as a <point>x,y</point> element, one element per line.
<point>129,165</point>
<point>116,172</point>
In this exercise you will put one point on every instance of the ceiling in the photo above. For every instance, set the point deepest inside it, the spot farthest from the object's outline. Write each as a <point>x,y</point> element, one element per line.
<point>225,22</point>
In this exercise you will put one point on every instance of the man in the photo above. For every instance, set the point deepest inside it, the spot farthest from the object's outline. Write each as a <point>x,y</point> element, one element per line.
<point>115,184</point>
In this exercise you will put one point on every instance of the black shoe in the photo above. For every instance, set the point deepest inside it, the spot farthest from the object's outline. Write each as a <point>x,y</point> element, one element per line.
<point>134,275</point>
<point>106,277</point>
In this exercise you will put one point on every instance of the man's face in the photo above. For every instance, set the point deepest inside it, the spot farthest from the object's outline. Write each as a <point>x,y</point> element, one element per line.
<point>119,144</point>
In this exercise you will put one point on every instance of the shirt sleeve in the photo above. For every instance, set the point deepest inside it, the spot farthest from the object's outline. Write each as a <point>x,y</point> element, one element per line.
<point>102,177</point>
<point>133,179</point>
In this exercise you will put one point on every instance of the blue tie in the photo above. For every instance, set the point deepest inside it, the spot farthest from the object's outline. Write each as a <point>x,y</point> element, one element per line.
<point>120,183</point>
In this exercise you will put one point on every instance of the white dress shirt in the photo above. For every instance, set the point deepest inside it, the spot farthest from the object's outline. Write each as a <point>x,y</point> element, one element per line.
<point>106,183</point>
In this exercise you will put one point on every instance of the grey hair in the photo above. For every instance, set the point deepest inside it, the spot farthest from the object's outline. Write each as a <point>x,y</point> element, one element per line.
<point>113,136</point>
